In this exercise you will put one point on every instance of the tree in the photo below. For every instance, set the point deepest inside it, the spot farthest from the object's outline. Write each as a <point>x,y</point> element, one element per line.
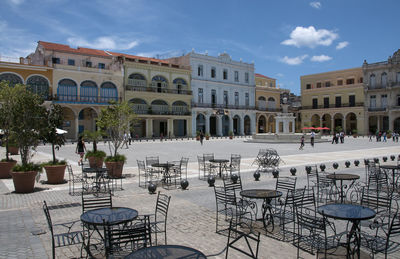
<point>116,120</point>
<point>28,121</point>
<point>7,101</point>
<point>94,136</point>
<point>54,119</point>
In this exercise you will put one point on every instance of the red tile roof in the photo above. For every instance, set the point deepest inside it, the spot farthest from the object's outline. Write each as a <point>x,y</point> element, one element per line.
<point>79,50</point>
<point>138,57</point>
<point>259,75</point>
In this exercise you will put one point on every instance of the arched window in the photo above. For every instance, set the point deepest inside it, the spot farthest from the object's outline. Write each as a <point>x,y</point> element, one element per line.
<point>108,92</point>
<point>262,103</point>
<point>398,77</point>
<point>261,98</point>
<point>38,85</point>
<point>136,80</point>
<point>67,90</point>
<point>139,106</point>
<point>271,104</point>
<point>372,81</point>
<point>180,85</point>
<point>160,83</point>
<point>180,107</point>
<point>159,107</point>
<point>12,78</point>
<point>383,80</point>
<point>89,91</point>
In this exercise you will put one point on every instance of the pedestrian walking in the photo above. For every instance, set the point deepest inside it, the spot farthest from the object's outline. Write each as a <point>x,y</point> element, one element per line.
<point>341,137</point>
<point>201,137</point>
<point>301,142</point>
<point>80,149</point>
<point>312,138</point>
<point>333,137</point>
<point>126,139</point>
<point>337,138</point>
<point>130,138</point>
<point>384,136</point>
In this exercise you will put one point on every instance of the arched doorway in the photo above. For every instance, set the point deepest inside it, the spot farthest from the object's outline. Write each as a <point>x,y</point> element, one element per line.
<point>327,122</point>
<point>159,84</point>
<point>338,120</point>
<point>247,125</point>
<point>271,124</point>
<point>201,123</point>
<point>87,120</point>
<point>351,122</point>
<point>236,125</point>
<point>213,125</point>
<point>396,125</point>
<point>271,104</point>
<point>373,124</point>
<point>225,125</point>
<point>69,123</point>
<point>315,120</point>
<point>261,124</point>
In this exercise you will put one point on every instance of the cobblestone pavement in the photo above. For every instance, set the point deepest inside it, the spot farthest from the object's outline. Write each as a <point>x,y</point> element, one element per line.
<point>191,220</point>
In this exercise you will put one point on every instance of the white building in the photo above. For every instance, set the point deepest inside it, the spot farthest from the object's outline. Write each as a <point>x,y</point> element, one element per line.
<point>223,94</point>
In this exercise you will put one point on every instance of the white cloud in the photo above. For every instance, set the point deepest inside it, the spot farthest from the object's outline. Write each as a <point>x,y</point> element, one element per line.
<point>320,58</point>
<point>293,61</point>
<point>280,75</point>
<point>342,45</point>
<point>106,43</point>
<point>16,2</point>
<point>316,5</point>
<point>161,54</point>
<point>310,37</point>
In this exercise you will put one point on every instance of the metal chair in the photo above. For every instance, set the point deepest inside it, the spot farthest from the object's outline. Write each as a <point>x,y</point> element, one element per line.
<point>146,175</point>
<point>72,180</point>
<point>122,240</point>
<point>158,220</point>
<point>62,239</point>
<point>114,180</point>
<point>234,166</point>
<point>202,169</point>
<point>98,201</point>
<point>175,174</point>
<point>248,237</point>
<point>150,160</point>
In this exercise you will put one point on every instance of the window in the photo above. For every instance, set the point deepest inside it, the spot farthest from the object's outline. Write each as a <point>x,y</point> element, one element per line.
<point>308,86</point>
<point>372,81</point>
<point>102,65</point>
<point>88,64</point>
<point>213,72</point>
<point>361,80</point>
<point>339,82</point>
<point>55,60</point>
<point>225,74</point>
<point>338,101</point>
<point>71,62</point>
<point>398,100</point>
<point>384,100</point>
<point>328,84</point>
<point>246,77</point>
<point>200,95</point>
<point>225,97</point>
<point>315,103</point>
<point>271,84</point>
<point>200,70</point>
<point>350,81</point>
<point>326,102</point>
<point>236,76</point>
<point>319,84</point>
<point>384,80</point>
<point>213,97</point>
<point>352,100</point>
<point>237,98</point>
<point>247,101</point>
<point>398,77</point>
<point>372,101</point>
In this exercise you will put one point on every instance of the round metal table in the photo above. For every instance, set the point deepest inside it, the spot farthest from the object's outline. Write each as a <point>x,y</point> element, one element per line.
<point>267,195</point>
<point>351,212</point>
<point>166,252</point>
<point>166,166</point>
<point>341,178</point>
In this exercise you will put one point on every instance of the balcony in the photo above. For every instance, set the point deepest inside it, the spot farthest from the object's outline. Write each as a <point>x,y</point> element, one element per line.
<point>377,109</point>
<point>377,87</point>
<point>269,109</point>
<point>157,90</point>
<point>343,105</point>
<point>160,109</point>
<point>74,99</point>
<point>223,106</point>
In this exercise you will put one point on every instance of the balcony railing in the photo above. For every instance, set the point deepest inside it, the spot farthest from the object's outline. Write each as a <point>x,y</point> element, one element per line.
<point>84,99</point>
<point>376,109</point>
<point>160,109</point>
<point>376,87</point>
<point>223,106</point>
<point>268,109</point>
<point>157,90</point>
<point>332,106</point>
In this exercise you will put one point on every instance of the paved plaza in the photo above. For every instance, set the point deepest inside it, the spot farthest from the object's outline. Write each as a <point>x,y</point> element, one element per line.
<point>191,218</point>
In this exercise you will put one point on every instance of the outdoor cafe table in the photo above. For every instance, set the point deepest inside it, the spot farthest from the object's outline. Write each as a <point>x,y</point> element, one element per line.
<point>343,177</point>
<point>166,252</point>
<point>96,219</point>
<point>98,178</point>
<point>166,166</point>
<point>221,164</point>
<point>394,169</point>
<point>351,212</point>
<point>266,195</point>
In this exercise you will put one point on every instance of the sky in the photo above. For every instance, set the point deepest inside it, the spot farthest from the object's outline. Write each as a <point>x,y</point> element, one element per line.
<point>284,38</point>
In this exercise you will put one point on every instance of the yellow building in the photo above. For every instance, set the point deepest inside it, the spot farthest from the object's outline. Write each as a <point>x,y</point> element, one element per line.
<point>161,96</point>
<point>267,103</point>
<point>334,99</point>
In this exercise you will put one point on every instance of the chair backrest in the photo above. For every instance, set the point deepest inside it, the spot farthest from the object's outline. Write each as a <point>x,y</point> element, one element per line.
<point>377,178</point>
<point>208,157</point>
<point>48,218</point>
<point>249,238</point>
<point>141,165</point>
<point>285,184</point>
<point>394,227</point>
<point>230,186</point>
<point>152,160</point>
<point>162,206</point>
<point>224,198</point>
<point>375,199</point>
<point>70,172</point>
<point>312,177</point>
<point>129,237</point>
<point>183,164</point>
<point>235,162</point>
<point>98,201</point>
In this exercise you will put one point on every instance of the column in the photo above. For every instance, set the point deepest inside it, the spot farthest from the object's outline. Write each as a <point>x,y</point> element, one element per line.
<point>230,124</point>
<point>242,126</point>
<point>332,125</point>
<point>194,117</point>
<point>293,126</point>
<point>189,129</point>
<point>344,125</point>
<point>378,122</point>
<point>286,126</point>
<point>170,128</point>
<point>207,123</point>
<point>219,125</point>
<point>253,124</point>
<point>277,121</point>
<point>76,126</point>
<point>391,121</point>
<point>149,128</point>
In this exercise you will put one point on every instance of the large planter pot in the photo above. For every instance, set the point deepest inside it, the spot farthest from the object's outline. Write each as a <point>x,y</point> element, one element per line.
<point>24,182</point>
<point>13,150</point>
<point>95,162</point>
<point>115,168</point>
<point>5,169</point>
<point>55,173</point>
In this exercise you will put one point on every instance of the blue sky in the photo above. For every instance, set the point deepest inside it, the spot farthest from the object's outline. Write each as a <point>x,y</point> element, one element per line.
<point>285,39</point>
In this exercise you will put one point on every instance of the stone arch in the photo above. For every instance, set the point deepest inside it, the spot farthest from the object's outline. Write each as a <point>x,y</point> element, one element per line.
<point>67,90</point>
<point>39,85</point>
<point>327,122</point>
<point>271,124</point>
<point>351,122</point>
<point>201,122</point>
<point>315,120</point>
<point>160,83</point>
<point>338,121</point>
<point>11,77</point>
<point>247,125</point>
<point>261,124</point>
<point>87,119</point>
<point>108,92</point>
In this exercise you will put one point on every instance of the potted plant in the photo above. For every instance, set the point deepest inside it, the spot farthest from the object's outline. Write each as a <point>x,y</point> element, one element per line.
<point>207,135</point>
<point>95,157</point>
<point>354,132</point>
<point>115,120</point>
<point>389,134</point>
<point>55,169</point>
<point>27,124</point>
<point>230,133</point>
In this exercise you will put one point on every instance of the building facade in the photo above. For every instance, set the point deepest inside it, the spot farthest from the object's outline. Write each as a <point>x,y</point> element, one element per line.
<point>161,96</point>
<point>334,99</point>
<point>382,94</point>
<point>223,98</point>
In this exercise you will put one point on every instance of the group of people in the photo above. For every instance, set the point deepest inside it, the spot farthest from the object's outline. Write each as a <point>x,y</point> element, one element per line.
<point>338,136</point>
<point>302,139</point>
<point>383,136</point>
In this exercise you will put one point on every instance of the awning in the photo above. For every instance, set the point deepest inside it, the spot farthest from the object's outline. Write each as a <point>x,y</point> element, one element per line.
<point>61,131</point>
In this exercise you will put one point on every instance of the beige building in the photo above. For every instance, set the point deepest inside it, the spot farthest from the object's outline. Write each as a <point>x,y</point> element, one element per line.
<point>161,95</point>
<point>382,94</point>
<point>334,99</point>
<point>268,98</point>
